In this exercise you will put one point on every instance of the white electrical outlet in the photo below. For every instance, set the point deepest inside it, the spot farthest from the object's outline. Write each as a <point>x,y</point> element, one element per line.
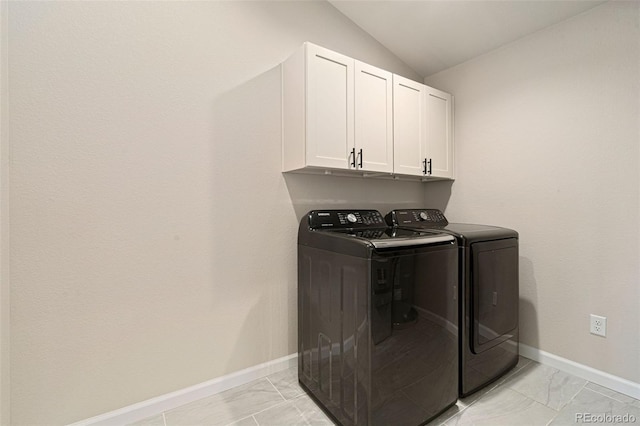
<point>598,325</point>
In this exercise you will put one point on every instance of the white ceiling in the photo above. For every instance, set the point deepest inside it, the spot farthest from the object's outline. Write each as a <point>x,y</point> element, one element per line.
<point>433,35</point>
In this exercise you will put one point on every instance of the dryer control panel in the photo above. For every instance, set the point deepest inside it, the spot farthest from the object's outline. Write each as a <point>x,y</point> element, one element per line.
<point>416,217</point>
<point>346,219</point>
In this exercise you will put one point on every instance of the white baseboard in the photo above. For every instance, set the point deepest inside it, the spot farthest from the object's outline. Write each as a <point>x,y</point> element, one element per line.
<point>160,404</point>
<point>601,378</point>
<point>163,403</point>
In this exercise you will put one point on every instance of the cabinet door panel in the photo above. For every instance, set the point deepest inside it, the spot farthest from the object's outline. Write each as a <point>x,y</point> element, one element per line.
<point>439,133</point>
<point>329,108</point>
<point>409,116</point>
<point>374,117</point>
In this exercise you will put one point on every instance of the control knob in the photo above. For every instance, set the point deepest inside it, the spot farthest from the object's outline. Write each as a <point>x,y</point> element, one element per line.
<point>424,216</point>
<point>352,218</point>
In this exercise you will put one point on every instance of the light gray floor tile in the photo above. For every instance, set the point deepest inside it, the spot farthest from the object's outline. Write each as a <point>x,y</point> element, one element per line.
<point>504,406</point>
<point>613,394</point>
<point>522,362</point>
<point>248,421</point>
<point>546,385</point>
<point>311,412</point>
<point>150,421</point>
<point>228,406</point>
<point>287,383</point>
<point>530,394</point>
<point>588,405</point>
<point>470,399</point>
<point>283,414</point>
<point>442,418</point>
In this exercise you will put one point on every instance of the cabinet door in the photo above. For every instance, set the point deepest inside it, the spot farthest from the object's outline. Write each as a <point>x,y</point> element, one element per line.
<point>329,108</point>
<point>439,133</point>
<point>409,119</point>
<point>373,118</point>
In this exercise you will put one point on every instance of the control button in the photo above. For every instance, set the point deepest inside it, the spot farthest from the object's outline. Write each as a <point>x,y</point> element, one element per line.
<point>352,218</point>
<point>424,216</point>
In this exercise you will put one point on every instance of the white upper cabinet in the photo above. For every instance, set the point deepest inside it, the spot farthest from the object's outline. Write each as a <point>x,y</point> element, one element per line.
<point>409,126</point>
<point>337,113</point>
<point>423,126</point>
<point>373,118</point>
<point>329,107</point>
<point>340,114</point>
<point>439,133</point>
<point>317,109</point>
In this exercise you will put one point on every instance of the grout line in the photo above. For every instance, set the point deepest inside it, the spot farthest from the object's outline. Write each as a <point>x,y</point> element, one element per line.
<point>537,402</point>
<point>284,401</point>
<point>529,361</point>
<point>610,396</point>
<point>302,416</point>
<point>600,393</point>
<point>502,382</point>
<point>511,374</point>
<point>569,402</point>
<point>455,414</point>
<point>493,388</point>
<point>274,386</point>
<point>602,378</point>
<point>266,409</point>
<point>495,385</point>
<point>244,418</point>
<point>576,394</point>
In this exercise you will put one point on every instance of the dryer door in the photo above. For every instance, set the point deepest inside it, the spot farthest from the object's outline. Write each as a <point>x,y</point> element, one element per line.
<point>494,292</point>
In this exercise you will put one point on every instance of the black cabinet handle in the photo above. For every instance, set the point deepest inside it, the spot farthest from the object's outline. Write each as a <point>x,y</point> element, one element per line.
<point>430,161</point>
<point>424,166</point>
<point>360,156</point>
<point>352,163</point>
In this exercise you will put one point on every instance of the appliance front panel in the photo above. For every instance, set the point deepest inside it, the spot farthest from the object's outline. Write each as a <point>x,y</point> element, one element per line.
<point>378,337</point>
<point>495,292</point>
<point>414,358</point>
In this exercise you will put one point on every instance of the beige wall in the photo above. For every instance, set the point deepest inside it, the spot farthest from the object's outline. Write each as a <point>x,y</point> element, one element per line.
<point>5,330</point>
<point>153,237</point>
<point>547,142</point>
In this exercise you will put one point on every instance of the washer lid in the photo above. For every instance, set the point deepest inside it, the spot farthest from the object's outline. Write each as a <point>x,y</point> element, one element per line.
<point>358,232</point>
<point>388,238</point>
<point>434,219</point>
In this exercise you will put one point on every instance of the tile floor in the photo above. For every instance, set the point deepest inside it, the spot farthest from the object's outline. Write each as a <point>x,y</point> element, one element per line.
<point>531,394</point>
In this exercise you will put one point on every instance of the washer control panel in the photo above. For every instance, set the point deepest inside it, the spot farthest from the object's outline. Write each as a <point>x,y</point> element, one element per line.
<point>416,217</point>
<point>322,219</point>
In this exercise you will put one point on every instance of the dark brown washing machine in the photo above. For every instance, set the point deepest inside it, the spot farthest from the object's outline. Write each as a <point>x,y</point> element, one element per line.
<point>377,314</point>
<point>488,294</point>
